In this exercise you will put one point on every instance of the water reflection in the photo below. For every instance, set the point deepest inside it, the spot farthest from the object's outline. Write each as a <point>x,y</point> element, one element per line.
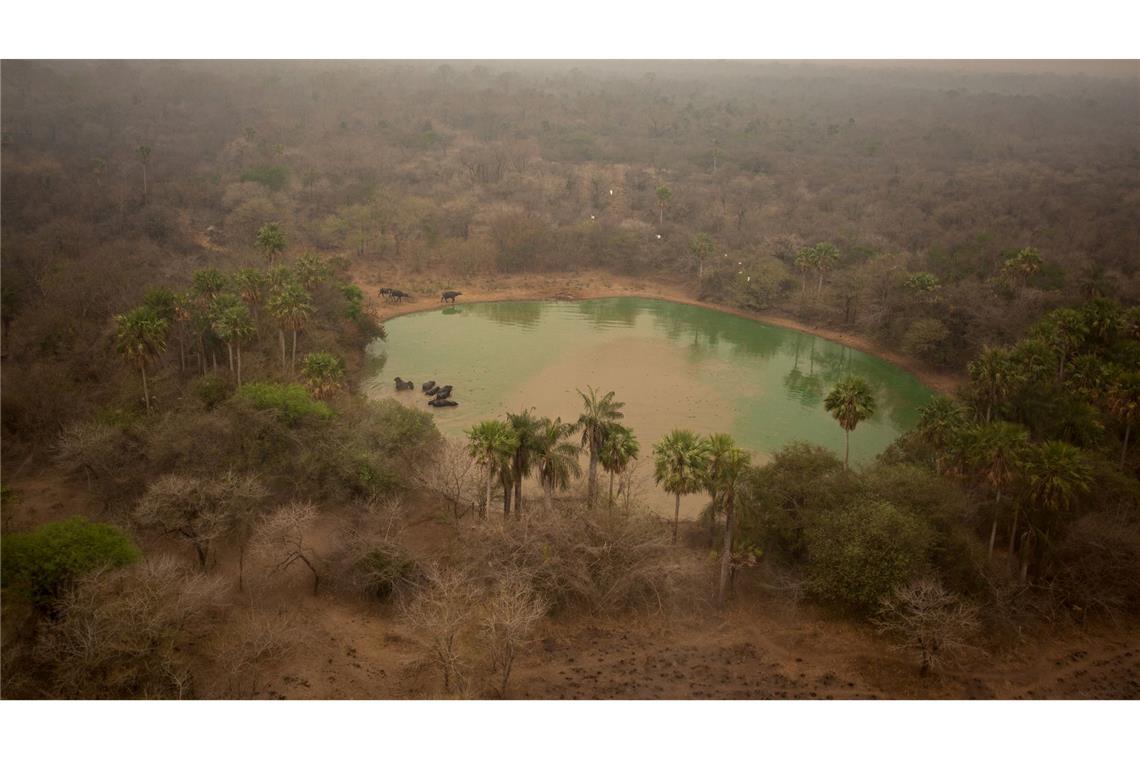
<point>526,314</point>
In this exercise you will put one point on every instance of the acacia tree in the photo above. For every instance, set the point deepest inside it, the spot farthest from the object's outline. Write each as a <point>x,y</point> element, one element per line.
<point>508,619</point>
<point>556,457</point>
<point>680,463</point>
<point>271,241</point>
<point>850,402</point>
<point>619,449</point>
<point>292,307</point>
<point>140,339</point>
<point>594,422</point>
<point>928,619</point>
<point>491,444</point>
<point>280,541</point>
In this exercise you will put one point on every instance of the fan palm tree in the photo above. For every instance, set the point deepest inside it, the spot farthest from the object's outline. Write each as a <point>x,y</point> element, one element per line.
<point>491,444</point>
<point>702,247</point>
<point>250,285</point>
<point>664,195</point>
<point>1124,404</point>
<point>731,469</point>
<point>271,241</point>
<point>1064,332</point>
<point>850,402</point>
<point>679,466</point>
<point>998,451</point>
<point>940,424</point>
<point>825,258</point>
<point>292,308</point>
<point>141,338</point>
<point>992,376</point>
<point>619,449</point>
<point>526,428</point>
<point>144,159</point>
<point>323,373</point>
<point>232,322</point>
<point>805,260</point>
<point>207,284</point>
<point>555,457</point>
<point>1056,476</point>
<point>720,447</point>
<point>594,421</point>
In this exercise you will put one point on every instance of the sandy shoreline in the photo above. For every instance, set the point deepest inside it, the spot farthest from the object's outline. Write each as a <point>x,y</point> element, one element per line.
<point>584,285</point>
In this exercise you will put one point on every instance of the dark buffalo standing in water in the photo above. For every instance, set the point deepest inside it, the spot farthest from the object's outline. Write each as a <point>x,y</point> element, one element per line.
<point>404,385</point>
<point>449,296</point>
<point>438,402</point>
<point>428,386</point>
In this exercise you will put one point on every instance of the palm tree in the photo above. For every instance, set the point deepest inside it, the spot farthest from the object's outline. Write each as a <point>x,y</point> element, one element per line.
<point>232,322</point>
<point>619,449</point>
<point>555,457</point>
<point>805,259</point>
<point>1019,267</point>
<point>323,373</point>
<point>144,159</point>
<point>292,308</point>
<point>207,284</point>
<point>1064,332</point>
<point>731,469</point>
<point>141,339</point>
<point>702,247</point>
<point>679,466</point>
<point>664,195</point>
<point>1124,404</point>
<point>526,428</point>
<point>1057,475</point>
<point>998,451</point>
<point>270,240</point>
<point>940,424</point>
<point>250,285</point>
<point>720,447</point>
<point>594,422</point>
<point>850,402</point>
<point>825,259</point>
<point>992,376</point>
<point>311,270</point>
<point>490,444</point>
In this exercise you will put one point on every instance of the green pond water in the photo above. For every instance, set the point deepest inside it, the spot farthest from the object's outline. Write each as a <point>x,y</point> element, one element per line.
<point>674,365</point>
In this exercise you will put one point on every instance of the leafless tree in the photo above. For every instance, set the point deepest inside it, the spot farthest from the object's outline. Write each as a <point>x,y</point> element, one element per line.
<point>199,510</point>
<point>441,615</point>
<point>281,540</point>
<point>929,620</point>
<point>258,638</point>
<point>452,475</point>
<point>130,632</point>
<point>509,618</point>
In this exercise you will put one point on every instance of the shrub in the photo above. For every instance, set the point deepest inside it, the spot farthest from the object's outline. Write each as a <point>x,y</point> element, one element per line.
<point>44,563</point>
<point>211,390</point>
<point>269,176</point>
<point>290,401</point>
<point>862,551</point>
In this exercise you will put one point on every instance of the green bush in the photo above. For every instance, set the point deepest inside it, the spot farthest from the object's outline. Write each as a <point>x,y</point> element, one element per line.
<point>272,177</point>
<point>211,390</point>
<point>290,401</point>
<point>861,551</point>
<point>43,564</point>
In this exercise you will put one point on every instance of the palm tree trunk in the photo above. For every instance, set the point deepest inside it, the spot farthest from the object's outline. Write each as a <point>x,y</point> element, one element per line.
<point>676,516</point>
<point>1013,532</point>
<point>1124,451</point>
<point>144,183</point>
<point>548,495</point>
<point>593,483</point>
<point>846,449</point>
<point>146,390</point>
<point>230,351</point>
<point>281,340</point>
<point>293,359</point>
<point>239,365</point>
<point>181,352</point>
<point>611,489</point>
<point>993,528</point>
<point>487,503</point>
<point>726,555</point>
<point>518,495</point>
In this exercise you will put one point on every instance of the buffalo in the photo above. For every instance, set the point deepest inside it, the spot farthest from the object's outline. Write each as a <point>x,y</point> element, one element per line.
<point>428,386</point>
<point>442,402</point>
<point>449,296</point>
<point>404,385</point>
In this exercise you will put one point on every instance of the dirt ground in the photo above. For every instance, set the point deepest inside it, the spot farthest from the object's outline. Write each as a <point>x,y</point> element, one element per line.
<point>761,648</point>
<point>596,284</point>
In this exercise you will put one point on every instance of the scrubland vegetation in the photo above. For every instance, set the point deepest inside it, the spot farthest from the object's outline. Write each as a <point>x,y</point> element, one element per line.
<point>184,339</point>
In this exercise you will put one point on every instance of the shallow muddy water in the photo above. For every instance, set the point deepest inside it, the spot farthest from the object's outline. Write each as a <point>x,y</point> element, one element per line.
<point>674,365</point>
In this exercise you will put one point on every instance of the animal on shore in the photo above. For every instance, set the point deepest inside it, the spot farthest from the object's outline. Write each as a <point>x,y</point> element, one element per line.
<point>449,296</point>
<point>404,385</point>
<point>428,386</point>
<point>393,294</point>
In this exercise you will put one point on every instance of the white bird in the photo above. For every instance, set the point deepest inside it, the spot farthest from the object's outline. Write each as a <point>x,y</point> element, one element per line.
<point>593,217</point>
<point>658,237</point>
<point>748,279</point>
<point>611,191</point>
